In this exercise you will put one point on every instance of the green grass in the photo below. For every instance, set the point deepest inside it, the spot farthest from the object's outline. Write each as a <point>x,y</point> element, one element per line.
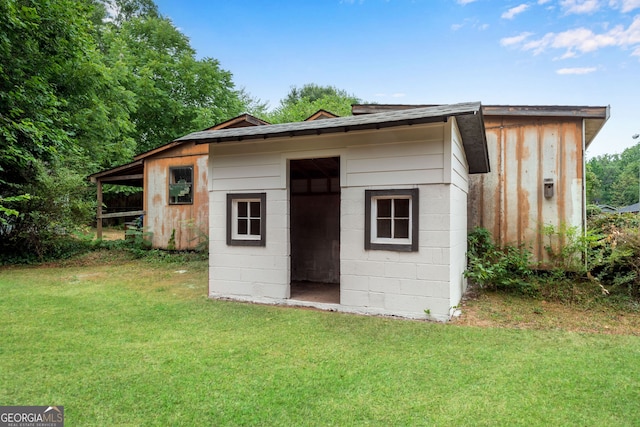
<point>138,343</point>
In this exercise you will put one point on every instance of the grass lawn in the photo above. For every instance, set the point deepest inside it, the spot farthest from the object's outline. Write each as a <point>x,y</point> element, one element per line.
<point>128,343</point>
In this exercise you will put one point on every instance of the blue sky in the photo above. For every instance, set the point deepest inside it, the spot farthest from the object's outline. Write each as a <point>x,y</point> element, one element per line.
<point>537,52</point>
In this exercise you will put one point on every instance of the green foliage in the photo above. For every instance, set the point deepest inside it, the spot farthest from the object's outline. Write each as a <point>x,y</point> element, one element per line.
<point>612,179</point>
<point>568,246</point>
<point>88,90</point>
<point>59,205</point>
<point>593,210</point>
<point>126,10</point>
<point>6,212</point>
<point>171,244</point>
<point>175,92</point>
<point>138,239</point>
<point>604,262</point>
<point>615,258</point>
<point>492,267</point>
<point>201,237</point>
<point>302,103</point>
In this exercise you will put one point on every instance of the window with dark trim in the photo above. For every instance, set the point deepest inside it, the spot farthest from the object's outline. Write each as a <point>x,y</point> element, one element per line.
<point>246,219</point>
<point>391,220</point>
<point>181,185</point>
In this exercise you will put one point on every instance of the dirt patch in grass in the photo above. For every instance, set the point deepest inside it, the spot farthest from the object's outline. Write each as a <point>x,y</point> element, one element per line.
<point>499,310</point>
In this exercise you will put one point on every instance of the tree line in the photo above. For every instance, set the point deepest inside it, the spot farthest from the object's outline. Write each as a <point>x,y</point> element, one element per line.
<point>613,179</point>
<point>87,84</point>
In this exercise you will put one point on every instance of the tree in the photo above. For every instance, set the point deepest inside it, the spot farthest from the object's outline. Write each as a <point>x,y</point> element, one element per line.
<point>52,90</point>
<point>175,93</point>
<point>593,184</point>
<point>124,10</point>
<point>301,103</point>
<point>312,92</point>
<point>80,92</point>
<point>615,180</point>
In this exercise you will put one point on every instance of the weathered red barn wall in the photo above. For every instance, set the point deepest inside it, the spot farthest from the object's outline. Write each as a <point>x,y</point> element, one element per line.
<point>509,201</point>
<point>162,218</point>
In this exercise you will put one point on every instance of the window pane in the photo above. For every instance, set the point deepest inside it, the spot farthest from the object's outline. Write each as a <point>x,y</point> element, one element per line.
<point>255,227</point>
<point>384,208</point>
<point>401,228</point>
<point>384,228</point>
<point>181,174</point>
<point>242,226</point>
<point>242,209</point>
<point>180,185</point>
<point>401,208</point>
<point>255,210</point>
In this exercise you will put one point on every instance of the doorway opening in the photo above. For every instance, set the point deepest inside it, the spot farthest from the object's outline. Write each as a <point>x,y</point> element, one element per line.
<point>314,193</point>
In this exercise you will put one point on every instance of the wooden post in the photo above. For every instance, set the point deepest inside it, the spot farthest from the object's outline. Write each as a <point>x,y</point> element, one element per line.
<point>99,212</point>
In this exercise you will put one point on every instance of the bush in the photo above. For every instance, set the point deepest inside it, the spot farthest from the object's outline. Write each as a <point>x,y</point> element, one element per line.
<point>492,267</point>
<point>615,261</point>
<point>59,206</point>
<point>603,262</point>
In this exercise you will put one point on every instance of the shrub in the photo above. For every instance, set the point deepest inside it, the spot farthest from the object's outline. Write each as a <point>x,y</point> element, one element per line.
<point>603,262</point>
<point>59,205</point>
<point>615,260</point>
<point>493,267</point>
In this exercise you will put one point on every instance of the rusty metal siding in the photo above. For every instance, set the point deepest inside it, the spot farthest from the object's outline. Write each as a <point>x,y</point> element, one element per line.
<point>509,201</point>
<point>161,217</point>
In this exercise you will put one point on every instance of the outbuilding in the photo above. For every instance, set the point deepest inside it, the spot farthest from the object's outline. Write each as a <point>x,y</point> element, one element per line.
<point>364,214</point>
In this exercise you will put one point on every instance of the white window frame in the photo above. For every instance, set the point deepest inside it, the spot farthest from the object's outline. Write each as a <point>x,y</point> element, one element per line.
<point>372,241</point>
<point>233,236</point>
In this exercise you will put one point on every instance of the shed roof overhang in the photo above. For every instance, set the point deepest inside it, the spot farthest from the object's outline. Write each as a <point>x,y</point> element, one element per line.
<point>594,117</point>
<point>468,116</point>
<point>130,174</point>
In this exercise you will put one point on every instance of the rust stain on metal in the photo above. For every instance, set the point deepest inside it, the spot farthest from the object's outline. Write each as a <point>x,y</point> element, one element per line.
<point>524,151</point>
<point>537,249</point>
<point>165,219</point>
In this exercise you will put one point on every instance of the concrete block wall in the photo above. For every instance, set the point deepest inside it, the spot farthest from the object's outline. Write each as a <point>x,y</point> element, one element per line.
<point>458,248</point>
<point>400,283</point>
<point>250,272</point>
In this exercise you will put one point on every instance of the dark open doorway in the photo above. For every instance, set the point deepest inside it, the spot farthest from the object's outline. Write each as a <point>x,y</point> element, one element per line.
<point>315,229</point>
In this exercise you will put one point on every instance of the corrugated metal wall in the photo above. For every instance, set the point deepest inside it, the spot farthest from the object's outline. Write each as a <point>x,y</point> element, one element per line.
<point>510,201</point>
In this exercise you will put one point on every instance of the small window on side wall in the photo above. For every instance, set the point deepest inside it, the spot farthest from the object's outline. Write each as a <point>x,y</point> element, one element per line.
<point>181,185</point>
<point>246,219</point>
<point>391,220</point>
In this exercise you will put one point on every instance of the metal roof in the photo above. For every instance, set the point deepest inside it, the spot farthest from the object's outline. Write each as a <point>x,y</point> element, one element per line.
<point>631,208</point>
<point>469,118</point>
<point>594,116</point>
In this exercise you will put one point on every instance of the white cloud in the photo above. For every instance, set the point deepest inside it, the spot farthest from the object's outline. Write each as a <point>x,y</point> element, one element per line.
<point>511,13</point>
<point>510,41</point>
<point>398,95</point>
<point>580,6</point>
<point>580,40</point>
<point>625,5</point>
<point>583,70</point>
<point>541,2</point>
<point>463,2</point>
<point>473,23</point>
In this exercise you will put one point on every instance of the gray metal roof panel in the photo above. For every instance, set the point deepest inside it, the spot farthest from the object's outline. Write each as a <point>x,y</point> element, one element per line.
<point>386,119</point>
<point>469,116</point>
